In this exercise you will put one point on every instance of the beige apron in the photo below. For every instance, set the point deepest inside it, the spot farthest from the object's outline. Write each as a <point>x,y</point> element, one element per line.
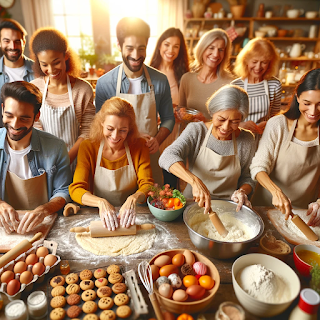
<point>26,194</point>
<point>296,173</point>
<point>115,185</point>
<point>219,173</point>
<point>145,109</point>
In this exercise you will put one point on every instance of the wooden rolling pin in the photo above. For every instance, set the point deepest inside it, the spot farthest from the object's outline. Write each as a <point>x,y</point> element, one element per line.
<point>21,247</point>
<point>217,223</point>
<point>304,228</point>
<point>97,230</point>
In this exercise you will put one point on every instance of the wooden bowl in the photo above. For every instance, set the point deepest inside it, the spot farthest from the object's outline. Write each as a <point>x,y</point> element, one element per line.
<point>265,248</point>
<point>282,33</point>
<point>190,306</point>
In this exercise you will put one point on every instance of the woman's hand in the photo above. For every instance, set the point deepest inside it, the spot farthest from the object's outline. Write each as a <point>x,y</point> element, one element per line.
<point>241,198</point>
<point>201,195</point>
<point>282,202</point>
<point>261,126</point>
<point>250,125</point>
<point>314,211</point>
<point>108,215</point>
<point>9,218</point>
<point>128,211</point>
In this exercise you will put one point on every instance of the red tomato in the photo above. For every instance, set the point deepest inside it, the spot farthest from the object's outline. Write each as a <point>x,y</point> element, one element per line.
<point>176,201</point>
<point>170,203</point>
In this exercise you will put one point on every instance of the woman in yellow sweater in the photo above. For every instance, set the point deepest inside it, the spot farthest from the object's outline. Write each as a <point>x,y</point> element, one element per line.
<point>113,166</point>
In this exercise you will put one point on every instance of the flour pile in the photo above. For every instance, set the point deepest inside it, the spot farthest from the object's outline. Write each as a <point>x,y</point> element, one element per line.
<point>263,284</point>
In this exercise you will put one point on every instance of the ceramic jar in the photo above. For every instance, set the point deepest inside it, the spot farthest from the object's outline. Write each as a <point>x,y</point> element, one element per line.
<point>198,9</point>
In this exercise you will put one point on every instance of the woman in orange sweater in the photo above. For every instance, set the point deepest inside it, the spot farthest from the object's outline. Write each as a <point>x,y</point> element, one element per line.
<point>113,166</point>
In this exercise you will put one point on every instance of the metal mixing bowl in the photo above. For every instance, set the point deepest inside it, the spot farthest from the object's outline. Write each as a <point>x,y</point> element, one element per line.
<point>219,249</point>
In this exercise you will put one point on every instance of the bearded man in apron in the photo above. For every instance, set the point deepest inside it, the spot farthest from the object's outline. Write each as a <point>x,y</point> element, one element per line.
<point>35,166</point>
<point>145,88</point>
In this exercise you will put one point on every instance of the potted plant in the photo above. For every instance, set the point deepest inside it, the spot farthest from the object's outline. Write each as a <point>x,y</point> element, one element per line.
<point>109,61</point>
<point>87,53</point>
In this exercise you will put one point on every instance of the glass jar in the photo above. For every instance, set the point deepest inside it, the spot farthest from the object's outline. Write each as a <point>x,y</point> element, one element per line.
<point>64,267</point>
<point>37,304</point>
<point>230,311</point>
<point>16,310</point>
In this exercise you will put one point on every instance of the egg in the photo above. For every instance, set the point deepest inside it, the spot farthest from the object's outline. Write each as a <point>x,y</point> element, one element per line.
<point>13,287</point>
<point>162,280</point>
<point>178,260</point>
<point>7,276</point>
<point>26,277</point>
<point>196,292</point>
<point>50,260</point>
<point>189,281</point>
<point>180,295</point>
<point>168,316</point>
<point>168,269</point>
<point>38,269</point>
<point>32,259</point>
<point>155,272</point>
<point>19,267</point>
<point>42,252</point>
<point>162,261</point>
<point>206,282</point>
<point>175,280</point>
<point>166,290</point>
<point>200,268</point>
<point>190,259</point>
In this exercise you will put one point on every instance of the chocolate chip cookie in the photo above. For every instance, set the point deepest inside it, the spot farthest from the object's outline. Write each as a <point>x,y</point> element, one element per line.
<point>72,288</point>
<point>113,269</point>
<point>121,299</point>
<point>57,314</point>
<point>123,311</point>
<point>72,278</point>
<point>105,303</point>
<point>89,307</point>
<point>107,315</point>
<point>86,284</point>
<point>58,302</point>
<point>88,295</point>
<point>58,291</point>
<point>104,292</point>
<point>85,274</point>
<point>57,281</point>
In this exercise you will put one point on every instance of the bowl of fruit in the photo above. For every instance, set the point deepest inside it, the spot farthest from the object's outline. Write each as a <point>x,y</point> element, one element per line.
<point>165,203</point>
<point>189,115</point>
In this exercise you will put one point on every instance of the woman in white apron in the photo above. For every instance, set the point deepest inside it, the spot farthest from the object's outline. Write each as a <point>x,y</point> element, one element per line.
<point>67,104</point>
<point>219,153</point>
<point>257,65</point>
<point>287,162</point>
<point>113,167</point>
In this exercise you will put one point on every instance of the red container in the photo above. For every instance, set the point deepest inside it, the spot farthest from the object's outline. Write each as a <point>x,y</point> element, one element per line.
<point>302,267</point>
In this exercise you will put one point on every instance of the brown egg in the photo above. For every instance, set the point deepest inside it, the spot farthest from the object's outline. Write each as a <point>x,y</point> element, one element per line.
<point>162,261</point>
<point>38,269</point>
<point>190,259</point>
<point>7,276</point>
<point>13,287</point>
<point>155,272</point>
<point>168,269</point>
<point>166,290</point>
<point>180,295</point>
<point>195,291</point>
<point>178,260</point>
<point>42,252</point>
<point>50,260</point>
<point>26,277</point>
<point>32,259</point>
<point>19,267</point>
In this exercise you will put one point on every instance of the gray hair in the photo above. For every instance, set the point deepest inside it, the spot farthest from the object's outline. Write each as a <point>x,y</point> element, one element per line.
<point>229,97</point>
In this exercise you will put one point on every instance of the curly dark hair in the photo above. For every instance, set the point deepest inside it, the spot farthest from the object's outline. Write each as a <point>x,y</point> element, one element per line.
<point>181,63</point>
<point>14,25</point>
<point>52,39</point>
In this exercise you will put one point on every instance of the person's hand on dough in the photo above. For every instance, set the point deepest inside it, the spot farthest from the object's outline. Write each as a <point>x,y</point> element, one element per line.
<point>282,203</point>
<point>108,215</point>
<point>241,198</point>
<point>314,212</point>
<point>30,220</point>
<point>201,195</point>
<point>127,212</point>
<point>9,218</point>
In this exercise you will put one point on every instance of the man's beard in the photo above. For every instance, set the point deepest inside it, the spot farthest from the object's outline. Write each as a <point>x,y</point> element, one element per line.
<point>15,137</point>
<point>131,68</point>
<point>10,58</point>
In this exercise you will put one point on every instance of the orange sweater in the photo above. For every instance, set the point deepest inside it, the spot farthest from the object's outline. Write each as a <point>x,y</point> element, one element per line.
<point>86,165</point>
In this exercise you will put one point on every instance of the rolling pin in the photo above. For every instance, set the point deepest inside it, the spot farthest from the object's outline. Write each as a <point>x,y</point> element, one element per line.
<point>97,230</point>
<point>218,224</point>
<point>21,247</point>
<point>304,228</point>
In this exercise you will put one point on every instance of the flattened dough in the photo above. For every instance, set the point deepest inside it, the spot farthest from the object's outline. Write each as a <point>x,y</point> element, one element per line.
<point>116,246</point>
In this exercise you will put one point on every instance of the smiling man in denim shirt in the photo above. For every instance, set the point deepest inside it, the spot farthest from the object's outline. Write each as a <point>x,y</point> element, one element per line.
<point>34,165</point>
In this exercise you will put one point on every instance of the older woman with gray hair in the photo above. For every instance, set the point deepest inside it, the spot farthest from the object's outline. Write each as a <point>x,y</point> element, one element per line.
<point>219,153</point>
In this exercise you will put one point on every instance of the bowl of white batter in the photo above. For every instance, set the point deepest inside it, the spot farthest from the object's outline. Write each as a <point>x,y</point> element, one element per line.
<point>244,228</point>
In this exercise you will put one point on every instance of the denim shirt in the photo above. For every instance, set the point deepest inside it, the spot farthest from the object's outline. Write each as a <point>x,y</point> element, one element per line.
<point>107,85</point>
<point>48,154</point>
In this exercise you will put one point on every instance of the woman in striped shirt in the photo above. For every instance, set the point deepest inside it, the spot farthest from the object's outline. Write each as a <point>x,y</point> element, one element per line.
<point>256,66</point>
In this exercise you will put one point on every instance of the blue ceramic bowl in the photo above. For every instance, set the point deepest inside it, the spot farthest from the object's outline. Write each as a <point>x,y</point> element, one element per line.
<point>165,215</point>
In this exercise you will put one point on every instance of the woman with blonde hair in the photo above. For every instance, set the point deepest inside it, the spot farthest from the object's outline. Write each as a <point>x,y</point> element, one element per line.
<point>113,168</point>
<point>256,66</point>
<point>211,71</point>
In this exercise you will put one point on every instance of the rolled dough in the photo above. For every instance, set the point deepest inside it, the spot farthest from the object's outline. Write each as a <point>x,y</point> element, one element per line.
<point>116,246</point>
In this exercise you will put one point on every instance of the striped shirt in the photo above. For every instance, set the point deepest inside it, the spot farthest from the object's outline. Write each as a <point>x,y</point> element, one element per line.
<point>258,109</point>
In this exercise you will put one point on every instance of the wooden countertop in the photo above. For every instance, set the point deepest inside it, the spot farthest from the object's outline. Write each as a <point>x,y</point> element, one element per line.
<point>179,230</point>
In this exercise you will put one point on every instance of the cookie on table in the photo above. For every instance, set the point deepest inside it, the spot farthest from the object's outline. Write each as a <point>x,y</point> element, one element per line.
<point>88,295</point>
<point>100,273</point>
<point>73,299</point>
<point>107,315</point>
<point>105,303</point>
<point>115,278</point>
<point>57,281</point>
<point>57,314</point>
<point>91,316</point>
<point>86,274</point>
<point>72,288</point>
<point>89,307</point>
<point>121,299</point>
<point>58,302</point>
<point>123,311</point>
<point>72,278</point>
<point>101,282</point>
<point>113,269</point>
<point>119,287</point>
<point>58,291</point>
<point>86,284</point>
<point>74,311</point>
<point>104,292</point>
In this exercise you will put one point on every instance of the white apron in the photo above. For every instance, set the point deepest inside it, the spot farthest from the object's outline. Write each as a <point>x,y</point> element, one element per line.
<point>62,121</point>
<point>296,173</point>
<point>145,109</point>
<point>26,194</point>
<point>115,185</point>
<point>219,173</point>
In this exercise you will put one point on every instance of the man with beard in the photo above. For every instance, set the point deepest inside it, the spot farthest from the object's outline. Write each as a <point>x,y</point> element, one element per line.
<point>144,87</point>
<point>14,65</point>
<point>34,165</point>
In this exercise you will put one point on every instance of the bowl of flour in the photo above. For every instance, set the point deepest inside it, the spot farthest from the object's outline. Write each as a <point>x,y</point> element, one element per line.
<point>264,285</point>
<point>244,228</point>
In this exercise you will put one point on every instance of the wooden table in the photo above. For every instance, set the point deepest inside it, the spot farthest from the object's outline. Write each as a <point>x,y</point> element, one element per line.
<point>179,230</point>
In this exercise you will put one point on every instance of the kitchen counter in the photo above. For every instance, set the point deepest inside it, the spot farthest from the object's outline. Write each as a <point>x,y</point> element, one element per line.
<point>175,233</point>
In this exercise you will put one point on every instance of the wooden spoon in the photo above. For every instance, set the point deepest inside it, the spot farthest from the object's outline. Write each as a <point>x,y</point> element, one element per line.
<point>217,223</point>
